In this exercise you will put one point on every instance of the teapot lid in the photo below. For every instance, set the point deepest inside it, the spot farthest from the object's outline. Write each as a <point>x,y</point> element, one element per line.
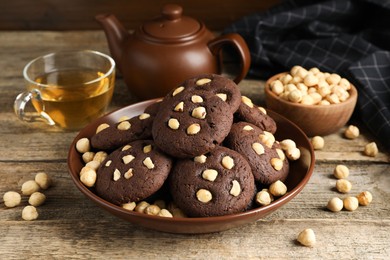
<point>171,25</point>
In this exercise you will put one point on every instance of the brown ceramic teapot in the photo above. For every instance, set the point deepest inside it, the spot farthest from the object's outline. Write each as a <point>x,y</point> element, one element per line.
<point>165,51</point>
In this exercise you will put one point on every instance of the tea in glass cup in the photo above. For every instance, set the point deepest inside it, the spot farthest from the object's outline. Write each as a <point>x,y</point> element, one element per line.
<point>67,89</point>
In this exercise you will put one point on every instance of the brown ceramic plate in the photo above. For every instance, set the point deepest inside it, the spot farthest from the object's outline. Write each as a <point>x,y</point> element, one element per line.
<point>300,172</point>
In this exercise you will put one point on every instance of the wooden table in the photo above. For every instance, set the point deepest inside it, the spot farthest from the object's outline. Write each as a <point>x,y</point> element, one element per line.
<point>70,226</point>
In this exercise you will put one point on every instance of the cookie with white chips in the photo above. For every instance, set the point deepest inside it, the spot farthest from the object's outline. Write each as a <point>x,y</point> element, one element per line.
<point>109,137</point>
<point>214,184</point>
<point>132,173</point>
<point>266,159</point>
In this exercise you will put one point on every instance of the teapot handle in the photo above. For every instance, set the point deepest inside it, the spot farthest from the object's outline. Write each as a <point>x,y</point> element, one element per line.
<point>235,40</point>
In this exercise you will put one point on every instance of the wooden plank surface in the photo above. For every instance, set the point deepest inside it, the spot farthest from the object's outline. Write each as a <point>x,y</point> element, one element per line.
<point>70,226</point>
<point>79,14</point>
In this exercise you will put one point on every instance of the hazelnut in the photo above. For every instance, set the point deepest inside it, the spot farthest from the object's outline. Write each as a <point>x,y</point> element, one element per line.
<point>29,213</point>
<point>37,199</point>
<point>371,149</point>
<point>287,143</point>
<point>141,206</point>
<point>264,198</point>
<point>12,199</point>
<point>364,198</point>
<point>43,180</point>
<point>100,156</point>
<point>351,203</point>
<point>307,237</point>
<point>29,187</point>
<point>83,145</point>
<point>129,206</point>
<point>152,210</point>
<point>165,213</point>
<point>277,163</point>
<point>343,186</point>
<point>88,178</point>
<point>341,171</point>
<point>318,142</point>
<point>351,132</point>
<point>88,156</point>
<point>278,188</point>
<point>293,153</point>
<point>335,204</point>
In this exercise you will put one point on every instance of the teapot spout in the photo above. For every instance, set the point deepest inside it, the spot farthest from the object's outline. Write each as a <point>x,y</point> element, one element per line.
<point>115,33</point>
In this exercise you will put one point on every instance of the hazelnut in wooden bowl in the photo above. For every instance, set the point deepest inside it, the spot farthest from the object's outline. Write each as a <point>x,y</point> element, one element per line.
<point>319,103</point>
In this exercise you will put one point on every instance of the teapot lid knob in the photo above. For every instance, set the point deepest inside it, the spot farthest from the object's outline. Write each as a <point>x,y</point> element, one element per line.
<point>172,12</point>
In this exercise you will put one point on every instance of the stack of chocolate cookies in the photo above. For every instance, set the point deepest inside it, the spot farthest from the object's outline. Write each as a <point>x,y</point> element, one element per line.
<point>204,142</point>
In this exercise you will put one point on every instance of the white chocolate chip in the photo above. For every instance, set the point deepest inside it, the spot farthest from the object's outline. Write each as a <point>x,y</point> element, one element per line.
<point>200,159</point>
<point>101,127</point>
<point>123,118</point>
<point>127,158</point>
<point>196,99</point>
<point>236,188</point>
<point>203,81</point>
<point>144,116</point>
<point>148,163</point>
<point>247,128</point>
<point>147,148</point>
<point>247,101</point>
<point>108,163</point>
<point>199,112</point>
<point>177,91</point>
<point>179,107</point>
<point>117,175</point>
<point>128,174</point>
<point>209,174</point>
<point>193,129</point>
<point>227,162</point>
<point>124,125</point>
<point>258,148</point>
<point>222,96</point>
<point>173,123</point>
<point>204,195</point>
<point>126,147</point>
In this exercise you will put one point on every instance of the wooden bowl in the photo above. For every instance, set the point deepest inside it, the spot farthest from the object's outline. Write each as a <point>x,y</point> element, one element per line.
<point>312,119</point>
<point>299,175</point>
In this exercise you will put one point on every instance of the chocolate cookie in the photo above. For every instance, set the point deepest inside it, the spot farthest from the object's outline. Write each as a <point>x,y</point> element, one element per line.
<point>218,85</point>
<point>191,123</point>
<point>215,184</point>
<point>110,137</point>
<point>267,161</point>
<point>132,172</point>
<point>254,114</point>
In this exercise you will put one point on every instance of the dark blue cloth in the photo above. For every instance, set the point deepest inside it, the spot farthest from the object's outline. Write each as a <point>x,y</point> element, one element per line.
<point>348,37</point>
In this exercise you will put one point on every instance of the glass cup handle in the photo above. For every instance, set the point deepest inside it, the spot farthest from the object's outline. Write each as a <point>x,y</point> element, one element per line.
<point>20,104</point>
